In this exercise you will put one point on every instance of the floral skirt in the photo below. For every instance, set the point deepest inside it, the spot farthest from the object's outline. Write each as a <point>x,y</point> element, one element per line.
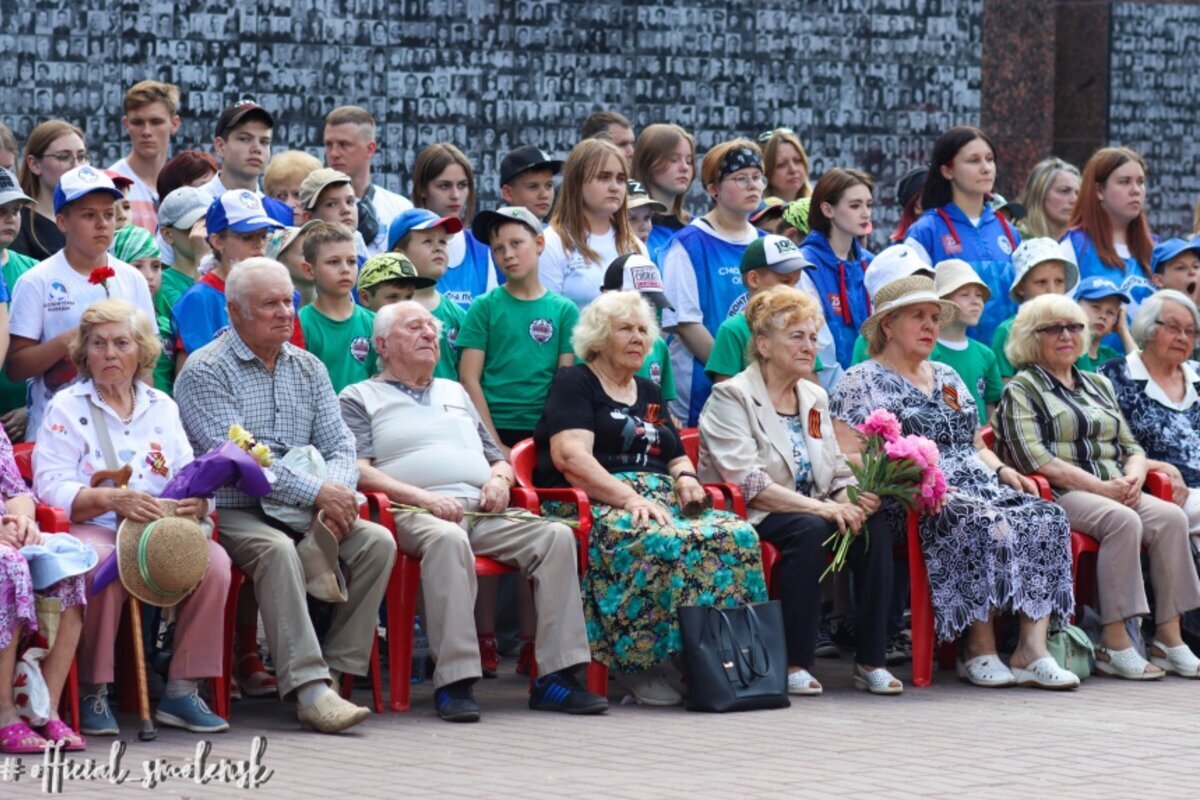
<point>638,577</point>
<point>16,594</point>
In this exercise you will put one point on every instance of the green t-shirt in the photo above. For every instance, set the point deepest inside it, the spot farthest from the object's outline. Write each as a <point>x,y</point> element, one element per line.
<point>1085,362</point>
<point>345,347</point>
<point>164,367</point>
<point>13,394</point>
<point>976,365</point>
<point>452,317</point>
<point>174,285</point>
<point>522,341</point>
<point>860,351</point>
<point>657,368</point>
<point>729,354</point>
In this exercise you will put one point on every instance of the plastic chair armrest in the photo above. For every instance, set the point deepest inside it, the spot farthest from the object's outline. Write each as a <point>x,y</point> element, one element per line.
<point>1159,485</point>
<point>52,519</point>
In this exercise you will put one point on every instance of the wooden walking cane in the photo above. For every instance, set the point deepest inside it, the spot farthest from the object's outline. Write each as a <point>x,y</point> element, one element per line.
<point>120,479</point>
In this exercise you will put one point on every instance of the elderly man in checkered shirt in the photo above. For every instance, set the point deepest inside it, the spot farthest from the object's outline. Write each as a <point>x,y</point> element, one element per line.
<point>254,377</point>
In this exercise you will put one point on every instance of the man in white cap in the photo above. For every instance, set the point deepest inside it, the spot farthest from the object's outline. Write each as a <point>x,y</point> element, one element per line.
<point>49,299</point>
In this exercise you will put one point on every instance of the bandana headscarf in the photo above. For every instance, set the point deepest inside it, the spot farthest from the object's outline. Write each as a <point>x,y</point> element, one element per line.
<point>739,158</point>
<point>133,242</point>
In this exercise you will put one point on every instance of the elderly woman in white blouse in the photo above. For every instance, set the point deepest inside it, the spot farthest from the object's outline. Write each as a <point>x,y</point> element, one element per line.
<point>109,419</point>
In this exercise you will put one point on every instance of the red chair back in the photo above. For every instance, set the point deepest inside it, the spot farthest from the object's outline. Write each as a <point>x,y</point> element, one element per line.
<point>23,455</point>
<point>989,437</point>
<point>690,439</point>
<point>523,458</point>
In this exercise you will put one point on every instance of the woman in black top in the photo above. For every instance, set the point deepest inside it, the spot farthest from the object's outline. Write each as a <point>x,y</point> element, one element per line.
<point>54,147</point>
<point>608,432</point>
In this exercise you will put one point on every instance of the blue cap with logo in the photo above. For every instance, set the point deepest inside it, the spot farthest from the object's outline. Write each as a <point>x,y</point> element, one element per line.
<point>1098,288</point>
<point>81,181</point>
<point>238,210</point>
<point>1170,250</point>
<point>419,219</point>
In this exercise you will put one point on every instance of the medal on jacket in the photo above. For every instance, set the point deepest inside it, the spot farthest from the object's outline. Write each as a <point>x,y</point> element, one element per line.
<point>950,395</point>
<point>814,424</point>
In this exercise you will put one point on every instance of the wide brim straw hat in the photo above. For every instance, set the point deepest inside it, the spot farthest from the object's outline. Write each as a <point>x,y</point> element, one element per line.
<point>163,561</point>
<point>911,291</point>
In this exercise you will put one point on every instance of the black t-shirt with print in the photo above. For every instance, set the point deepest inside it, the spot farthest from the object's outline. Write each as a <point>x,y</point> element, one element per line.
<point>637,438</point>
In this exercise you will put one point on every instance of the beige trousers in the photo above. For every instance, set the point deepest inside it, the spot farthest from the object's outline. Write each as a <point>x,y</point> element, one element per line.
<point>269,557</point>
<point>1159,526</point>
<point>543,551</point>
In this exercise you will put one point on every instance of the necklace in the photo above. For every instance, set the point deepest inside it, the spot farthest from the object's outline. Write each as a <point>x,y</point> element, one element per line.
<point>132,404</point>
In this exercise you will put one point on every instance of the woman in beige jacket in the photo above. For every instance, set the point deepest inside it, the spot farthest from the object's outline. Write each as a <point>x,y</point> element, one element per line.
<point>769,431</point>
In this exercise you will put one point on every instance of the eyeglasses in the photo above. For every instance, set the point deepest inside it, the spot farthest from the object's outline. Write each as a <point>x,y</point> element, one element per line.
<point>1176,331</point>
<point>765,136</point>
<point>749,181</point>
<point>74,159</point>
<point>1056,330</point>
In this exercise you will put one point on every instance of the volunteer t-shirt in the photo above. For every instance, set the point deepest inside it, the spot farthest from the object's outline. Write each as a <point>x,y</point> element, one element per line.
<point>344,346</point>
<point>731,348</point>
<point>570,274</point>
<point>976,364</point>
<point>13,394</point>
<point>388,205</point>
<point>1086,363</point>
<point>452,317</point>
<point>143,199</point>
<point>470,273</point>
<point>164,367</point>
<point>522,341</point>
<point>174,286</point>
<point>50,298</point>
<point>201,315</point>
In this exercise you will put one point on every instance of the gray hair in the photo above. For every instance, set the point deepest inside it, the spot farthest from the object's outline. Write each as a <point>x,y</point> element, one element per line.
<point>1149,313</point>
<point>243,276</point>
<point>596,322</point>
<point>387,317</point>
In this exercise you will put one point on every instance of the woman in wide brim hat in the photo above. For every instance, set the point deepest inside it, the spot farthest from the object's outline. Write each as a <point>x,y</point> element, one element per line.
<point>989,545</point>
<point>112,408</point>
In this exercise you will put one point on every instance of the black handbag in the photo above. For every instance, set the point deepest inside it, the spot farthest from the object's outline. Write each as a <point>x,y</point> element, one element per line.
<point>736,658</point>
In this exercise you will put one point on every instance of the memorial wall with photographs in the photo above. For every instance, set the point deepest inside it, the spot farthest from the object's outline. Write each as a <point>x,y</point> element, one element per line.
<point>867,83</point>
<point>1154,83</point>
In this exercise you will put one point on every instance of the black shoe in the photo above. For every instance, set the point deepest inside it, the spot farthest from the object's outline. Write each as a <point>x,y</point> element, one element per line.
<point>825,645</point>
<point>898,650</point>
<point>456,703</point>
<point>841,630</point>
<point>560,691</point>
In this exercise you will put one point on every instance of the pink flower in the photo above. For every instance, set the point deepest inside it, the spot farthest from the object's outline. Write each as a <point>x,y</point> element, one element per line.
<point>909,447</point>
<point>883,423</point>
<point>932,488</point>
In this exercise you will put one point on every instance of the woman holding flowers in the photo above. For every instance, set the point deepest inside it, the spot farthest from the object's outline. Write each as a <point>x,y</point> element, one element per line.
<point>768,430</point>
<point>988,543</point>
<point>111,415</point>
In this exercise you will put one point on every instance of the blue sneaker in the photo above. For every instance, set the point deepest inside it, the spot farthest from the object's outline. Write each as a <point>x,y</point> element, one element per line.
<point>95,716</point>
<point>560,691</point>
<point>455,702</point>
<point>189,712</point>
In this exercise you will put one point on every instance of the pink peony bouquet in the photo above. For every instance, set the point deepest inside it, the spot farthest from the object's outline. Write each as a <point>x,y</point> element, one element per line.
<point>893,465</point>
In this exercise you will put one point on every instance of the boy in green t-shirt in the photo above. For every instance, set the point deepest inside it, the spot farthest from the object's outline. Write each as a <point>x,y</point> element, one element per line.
<point>517,335</point>
<point>768,261</point>
<point>1039,267</point>
<point>1104,303</point>
<point>388,278</point>
<point>636,272</point>
<point>181,225</point>
<point>336,329</point>
<point>136,247</point>
<point>13,394</point>
<point>424,238</point>
<point>974,362</point>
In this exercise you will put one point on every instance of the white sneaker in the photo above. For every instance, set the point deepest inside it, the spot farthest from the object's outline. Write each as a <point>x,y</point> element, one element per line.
<point>648,687</point>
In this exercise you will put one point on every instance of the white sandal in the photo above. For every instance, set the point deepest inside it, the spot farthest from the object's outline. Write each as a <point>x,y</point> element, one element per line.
<point>1127,664</point>
<point>987,671</point>
<point>1178,660</point>
<point>1045,673</point>
<point>876,681</point>
<point>803,682</point>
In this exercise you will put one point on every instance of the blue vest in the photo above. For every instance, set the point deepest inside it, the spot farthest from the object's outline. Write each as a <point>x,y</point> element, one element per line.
<point>717,265</point>
<point>656,243</point>
<point>468,279</point>
<point>1131,278</point>
<point>947,233</point>
<point>844,299</point>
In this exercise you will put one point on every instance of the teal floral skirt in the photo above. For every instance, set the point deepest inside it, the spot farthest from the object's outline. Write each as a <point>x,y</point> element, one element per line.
<point>638,577</point>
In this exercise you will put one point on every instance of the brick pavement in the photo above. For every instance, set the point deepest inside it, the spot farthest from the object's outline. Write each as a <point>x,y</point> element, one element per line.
<point>1108,739</point>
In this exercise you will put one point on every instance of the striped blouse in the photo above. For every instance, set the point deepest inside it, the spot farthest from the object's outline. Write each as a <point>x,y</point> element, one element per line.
<point>1039,419</point>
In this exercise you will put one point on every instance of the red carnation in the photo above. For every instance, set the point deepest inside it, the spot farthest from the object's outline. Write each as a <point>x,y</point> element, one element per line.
<point>100,276</point>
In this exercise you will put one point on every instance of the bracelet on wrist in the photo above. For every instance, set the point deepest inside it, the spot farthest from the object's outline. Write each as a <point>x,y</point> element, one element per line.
<point>1001,467</point>
<point>687,473</point>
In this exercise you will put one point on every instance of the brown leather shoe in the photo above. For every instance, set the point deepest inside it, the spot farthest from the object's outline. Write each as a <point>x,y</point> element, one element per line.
<point>331,714</point>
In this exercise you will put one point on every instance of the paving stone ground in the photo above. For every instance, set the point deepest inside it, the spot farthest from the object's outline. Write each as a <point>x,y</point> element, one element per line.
<point>1109,739</point>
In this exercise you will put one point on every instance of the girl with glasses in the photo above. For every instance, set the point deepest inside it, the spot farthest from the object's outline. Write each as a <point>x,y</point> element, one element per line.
<point>53,148</point>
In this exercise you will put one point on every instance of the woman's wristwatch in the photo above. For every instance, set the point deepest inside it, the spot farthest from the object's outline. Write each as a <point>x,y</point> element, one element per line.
<point>504,478</point>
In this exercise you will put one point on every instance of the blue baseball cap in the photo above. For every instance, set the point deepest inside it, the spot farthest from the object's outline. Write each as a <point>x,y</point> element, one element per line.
<point>419,219</point>
<point>238,210</point>
<point>1097,288</point>
<point>81,181</point>
<point>1171,249</point>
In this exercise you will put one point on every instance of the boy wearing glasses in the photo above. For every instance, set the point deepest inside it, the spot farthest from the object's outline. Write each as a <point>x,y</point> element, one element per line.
<point>150,120</point>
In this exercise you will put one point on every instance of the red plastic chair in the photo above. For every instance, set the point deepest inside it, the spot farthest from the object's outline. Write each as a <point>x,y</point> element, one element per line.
<point>404,584</point>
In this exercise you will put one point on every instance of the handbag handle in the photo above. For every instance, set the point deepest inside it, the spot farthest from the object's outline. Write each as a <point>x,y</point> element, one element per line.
<point>745,664</point>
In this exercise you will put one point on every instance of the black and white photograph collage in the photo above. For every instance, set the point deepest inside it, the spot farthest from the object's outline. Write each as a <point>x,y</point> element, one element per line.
<point>1154,83</point>
<point>866,83</point>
